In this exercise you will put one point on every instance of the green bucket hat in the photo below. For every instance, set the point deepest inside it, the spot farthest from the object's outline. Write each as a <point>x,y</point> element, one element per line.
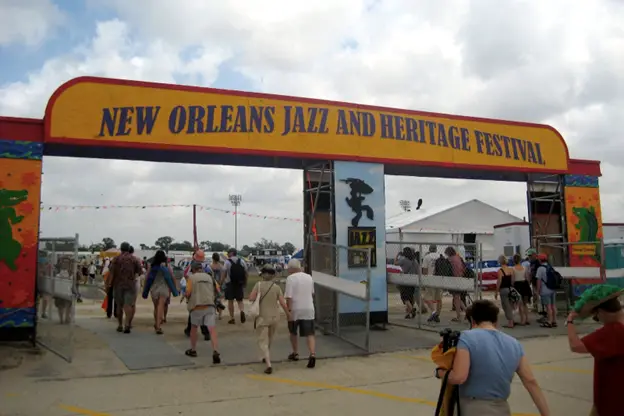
<point>530,252</point>
<point>594,297</point>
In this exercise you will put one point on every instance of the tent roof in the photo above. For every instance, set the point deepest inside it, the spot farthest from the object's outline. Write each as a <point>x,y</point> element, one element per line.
<point>407,219</point>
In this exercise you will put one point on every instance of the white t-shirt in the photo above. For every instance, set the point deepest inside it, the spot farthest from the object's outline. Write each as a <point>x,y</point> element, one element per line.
<point>300,289</point>
<point>92,269</point>
<point>429,262</point>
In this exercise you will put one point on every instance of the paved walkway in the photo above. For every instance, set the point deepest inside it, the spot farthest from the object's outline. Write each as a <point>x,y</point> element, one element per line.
<point>396,383</point>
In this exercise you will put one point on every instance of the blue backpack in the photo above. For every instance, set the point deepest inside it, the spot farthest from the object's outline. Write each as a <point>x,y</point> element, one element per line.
<point>553,278</point>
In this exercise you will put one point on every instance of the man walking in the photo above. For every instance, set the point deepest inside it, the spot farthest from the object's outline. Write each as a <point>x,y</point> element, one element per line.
<point>300,300</point>
<point>122,277</point>
<point>433,296</point>
<point>201,306</point>
<point>235,271</point>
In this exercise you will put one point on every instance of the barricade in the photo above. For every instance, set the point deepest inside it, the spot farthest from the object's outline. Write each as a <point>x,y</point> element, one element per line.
<point>422,280</point>
<point>342,292</point>
<point>57,291</point>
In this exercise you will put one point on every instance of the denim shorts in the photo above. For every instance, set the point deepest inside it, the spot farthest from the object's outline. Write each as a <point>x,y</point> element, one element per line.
<point>548,299</point>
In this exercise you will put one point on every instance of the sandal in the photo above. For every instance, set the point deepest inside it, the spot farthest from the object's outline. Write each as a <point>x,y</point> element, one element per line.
<point>190,353</point>
<point>268,370</point>
<point>159,331</point>
<point>293,357</point>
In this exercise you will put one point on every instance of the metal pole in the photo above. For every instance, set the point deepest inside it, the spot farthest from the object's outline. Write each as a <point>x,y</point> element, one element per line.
<point>368,299</point>
<point>195,242</point>
<point>236,227</point>
<point>420,288</point>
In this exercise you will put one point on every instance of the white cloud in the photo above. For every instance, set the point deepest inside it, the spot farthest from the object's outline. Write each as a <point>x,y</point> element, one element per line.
<point>557,62</point>
<point>28,21</point>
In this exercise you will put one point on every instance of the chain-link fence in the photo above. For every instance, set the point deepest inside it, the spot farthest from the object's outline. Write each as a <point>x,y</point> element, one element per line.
<point>576,276</point>
<point>431,284</point>
<point>57,291</point>
<point>342,277</point>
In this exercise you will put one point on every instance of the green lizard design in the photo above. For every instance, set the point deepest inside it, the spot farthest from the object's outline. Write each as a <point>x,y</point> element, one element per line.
<point>587,226</point>
<point>10,248</point>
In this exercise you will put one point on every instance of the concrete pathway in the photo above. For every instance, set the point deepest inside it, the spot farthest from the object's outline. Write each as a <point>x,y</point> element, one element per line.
<point>396,383</point>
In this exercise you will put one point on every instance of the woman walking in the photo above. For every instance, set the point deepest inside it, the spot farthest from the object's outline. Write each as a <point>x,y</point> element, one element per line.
<point>484,366</point>
<point>522,284</point>
<point>503,288</point>
<point>409,265</point>
<point>269,295</point>
<point>159,281</point>
<point>216,268</point>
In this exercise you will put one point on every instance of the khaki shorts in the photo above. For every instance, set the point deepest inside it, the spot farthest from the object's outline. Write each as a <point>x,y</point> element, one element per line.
<point>124,296</point>
<point>204,317</point>
<point>433,294</point>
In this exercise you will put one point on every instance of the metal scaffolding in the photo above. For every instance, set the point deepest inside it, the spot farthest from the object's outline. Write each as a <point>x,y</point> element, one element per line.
<point>318,183</point>
<point>547,191</point>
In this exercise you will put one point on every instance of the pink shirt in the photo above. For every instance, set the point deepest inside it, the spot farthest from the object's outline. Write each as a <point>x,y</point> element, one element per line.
<point>458,265</point>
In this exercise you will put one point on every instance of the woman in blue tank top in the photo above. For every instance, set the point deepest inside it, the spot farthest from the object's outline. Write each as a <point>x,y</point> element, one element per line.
<point>485,363</point>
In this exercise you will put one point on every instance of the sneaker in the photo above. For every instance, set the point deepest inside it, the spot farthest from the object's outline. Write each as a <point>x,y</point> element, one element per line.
<point>311,362</point>
<point>216,358</point>
<point>243,317</point>
<point>293,357</point>
<point>232,321</point>
<point>127,330</point>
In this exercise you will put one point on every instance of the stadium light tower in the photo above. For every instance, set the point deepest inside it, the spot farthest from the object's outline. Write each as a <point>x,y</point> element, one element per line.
<point>235,199</point>
<point>405,205</point>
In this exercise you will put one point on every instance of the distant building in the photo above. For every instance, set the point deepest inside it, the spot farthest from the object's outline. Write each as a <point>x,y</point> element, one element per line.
<point>467,223</point>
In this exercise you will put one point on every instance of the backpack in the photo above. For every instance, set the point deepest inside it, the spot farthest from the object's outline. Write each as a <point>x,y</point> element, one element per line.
<point>553,278</point>
<point>237,272</point>
<point>443,267</point>
<point>469,273</point>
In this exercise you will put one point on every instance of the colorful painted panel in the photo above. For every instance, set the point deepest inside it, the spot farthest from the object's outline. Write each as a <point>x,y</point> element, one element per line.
<point>360,224</point>
<point>581,181</point>
<point>20,188</point>
<point>584,225</point>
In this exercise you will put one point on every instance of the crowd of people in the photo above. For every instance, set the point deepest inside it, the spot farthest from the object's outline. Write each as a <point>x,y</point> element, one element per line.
<point>526,281</point>
<point>206,283</point>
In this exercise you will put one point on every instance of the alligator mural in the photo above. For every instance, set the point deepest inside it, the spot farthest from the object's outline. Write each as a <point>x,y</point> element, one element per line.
<point>588,227</point>
<point>10,248</point>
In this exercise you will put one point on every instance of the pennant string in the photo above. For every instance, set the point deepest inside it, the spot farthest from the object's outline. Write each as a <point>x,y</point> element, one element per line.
<point>57,208</point>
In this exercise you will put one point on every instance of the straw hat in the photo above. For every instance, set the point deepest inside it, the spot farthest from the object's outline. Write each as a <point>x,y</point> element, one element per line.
<point>594,297</point>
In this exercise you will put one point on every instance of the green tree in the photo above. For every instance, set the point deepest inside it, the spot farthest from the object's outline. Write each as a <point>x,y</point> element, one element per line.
<point>218,246</point>
<point>288,247</point>
<point>265,244</point>
<point>108,243</point>
<point>164,243</point>
<point>96,247</point>
<point>183,246</point>
<point>144,246</point>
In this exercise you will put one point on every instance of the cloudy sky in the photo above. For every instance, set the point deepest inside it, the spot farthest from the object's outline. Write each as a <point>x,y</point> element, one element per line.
<point>559,62</point>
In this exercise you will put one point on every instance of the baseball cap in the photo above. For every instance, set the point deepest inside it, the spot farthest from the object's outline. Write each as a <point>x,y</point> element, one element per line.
<point>542,257</point>
<point>530,251</point>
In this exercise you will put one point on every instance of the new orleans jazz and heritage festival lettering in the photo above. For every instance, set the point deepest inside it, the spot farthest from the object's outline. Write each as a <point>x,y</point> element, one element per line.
<point>296,120</point>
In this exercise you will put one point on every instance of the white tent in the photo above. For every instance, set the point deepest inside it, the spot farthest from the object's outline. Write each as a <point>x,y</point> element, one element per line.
<point>471,221</point>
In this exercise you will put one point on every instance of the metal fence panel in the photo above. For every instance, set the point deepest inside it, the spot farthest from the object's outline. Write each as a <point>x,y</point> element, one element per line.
<point>422,297</point>
<point>342,291</point>
<point>57,293</point>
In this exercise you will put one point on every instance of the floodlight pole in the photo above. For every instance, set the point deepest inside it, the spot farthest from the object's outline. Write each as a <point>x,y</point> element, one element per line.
<point>235,199</point>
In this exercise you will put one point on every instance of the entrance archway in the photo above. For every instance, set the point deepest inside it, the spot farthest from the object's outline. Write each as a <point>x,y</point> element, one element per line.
<point>332,142</point>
